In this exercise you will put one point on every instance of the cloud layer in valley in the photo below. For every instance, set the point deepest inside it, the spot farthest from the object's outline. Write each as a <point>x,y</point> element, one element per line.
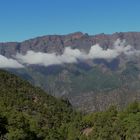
<point>9,63</point>
<point>69,55</point>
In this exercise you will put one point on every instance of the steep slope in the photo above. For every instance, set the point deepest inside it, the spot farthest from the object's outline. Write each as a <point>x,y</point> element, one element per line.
<point>31,113</point>
<point>92,89</point>
<point>26,112</point>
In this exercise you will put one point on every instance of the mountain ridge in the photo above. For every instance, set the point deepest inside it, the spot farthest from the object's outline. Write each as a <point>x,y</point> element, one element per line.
<point>90,85</point>
<point>44,43</point>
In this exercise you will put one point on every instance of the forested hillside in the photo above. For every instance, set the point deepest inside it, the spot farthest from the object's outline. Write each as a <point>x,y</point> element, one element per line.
<point>28,113</point>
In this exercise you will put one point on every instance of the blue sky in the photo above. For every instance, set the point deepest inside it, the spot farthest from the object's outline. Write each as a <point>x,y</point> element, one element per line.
<point>24,19</point>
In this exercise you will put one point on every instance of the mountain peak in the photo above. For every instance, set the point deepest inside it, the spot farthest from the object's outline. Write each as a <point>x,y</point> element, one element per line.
<point>76,35</point>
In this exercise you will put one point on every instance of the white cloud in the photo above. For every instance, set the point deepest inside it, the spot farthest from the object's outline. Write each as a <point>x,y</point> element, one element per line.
<point>9,63</point>
<point>98,52</point>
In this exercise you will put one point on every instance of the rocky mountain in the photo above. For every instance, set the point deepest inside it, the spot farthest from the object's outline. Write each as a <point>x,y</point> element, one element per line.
<point>90,85</point>
<point>56,43</point>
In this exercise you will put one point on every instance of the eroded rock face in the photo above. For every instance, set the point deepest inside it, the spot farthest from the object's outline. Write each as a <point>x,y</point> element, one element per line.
<point>56,43</point>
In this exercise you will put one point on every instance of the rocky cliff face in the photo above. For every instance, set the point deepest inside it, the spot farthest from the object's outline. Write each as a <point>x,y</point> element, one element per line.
<point>88,85</point>
<point>56,43</point>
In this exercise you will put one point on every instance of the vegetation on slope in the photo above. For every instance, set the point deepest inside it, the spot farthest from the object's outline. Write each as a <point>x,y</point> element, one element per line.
<point>29,113</point>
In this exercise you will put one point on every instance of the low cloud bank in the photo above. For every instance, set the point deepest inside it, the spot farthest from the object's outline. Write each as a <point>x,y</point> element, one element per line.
<point>9,63</point>
<point>69,55</point>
